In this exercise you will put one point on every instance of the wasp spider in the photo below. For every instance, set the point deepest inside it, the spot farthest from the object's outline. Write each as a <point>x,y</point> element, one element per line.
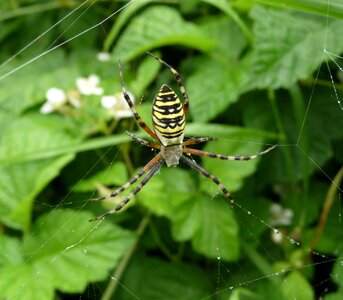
<point>168,117</point>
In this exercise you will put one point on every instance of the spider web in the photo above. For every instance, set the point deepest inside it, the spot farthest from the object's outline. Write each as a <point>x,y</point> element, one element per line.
<point>231,279</point>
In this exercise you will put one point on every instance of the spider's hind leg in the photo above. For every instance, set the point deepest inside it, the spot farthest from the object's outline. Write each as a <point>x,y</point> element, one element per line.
<point>207,174</point>
<point>155,168</point>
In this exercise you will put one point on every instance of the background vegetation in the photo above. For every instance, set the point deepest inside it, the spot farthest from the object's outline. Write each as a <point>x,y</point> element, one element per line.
<point>256,74</point>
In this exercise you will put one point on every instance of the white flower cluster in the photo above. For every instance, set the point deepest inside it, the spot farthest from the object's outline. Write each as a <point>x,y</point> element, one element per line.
<point>115,105</point>
<point>280,216</point>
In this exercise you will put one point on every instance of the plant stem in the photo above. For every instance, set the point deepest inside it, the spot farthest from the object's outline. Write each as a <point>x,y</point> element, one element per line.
<point>118,273</point>
<point>329,199</point>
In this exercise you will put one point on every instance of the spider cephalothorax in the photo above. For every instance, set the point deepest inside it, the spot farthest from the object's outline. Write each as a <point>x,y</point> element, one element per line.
<point>168,118</point>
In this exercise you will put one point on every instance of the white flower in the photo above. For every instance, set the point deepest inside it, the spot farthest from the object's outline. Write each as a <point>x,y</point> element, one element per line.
<point>46,108</point>
<point>280,216</point>
<point>117,106</point>
<point>109,102</point>
<point>55,98</point>
<point>103,56</point>
<point>89,86</point>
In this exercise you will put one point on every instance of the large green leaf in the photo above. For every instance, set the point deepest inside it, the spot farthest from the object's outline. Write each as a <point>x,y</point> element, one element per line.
<point>289,47</point>
<point>164,193</point>
<point>155,27</point>
<point>226,33</point>
<point>115,174</point>
<point>213,87</point>
<point>154,279</point>
<point>64,251</point>
<point>21,182</point>
<point>231,173</point>
<point>295,286</point>
<point>210,224</point>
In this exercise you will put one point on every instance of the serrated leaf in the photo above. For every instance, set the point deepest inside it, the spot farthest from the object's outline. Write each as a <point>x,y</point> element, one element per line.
<point>289,47</point>
<point>213,88</point>
<point>14,100</point>
<point>155,27</point>
<point>226,33</point>
<point>60,252</point>
<point>295,286</point>
<point>210,225</point>
<point>165,281</point>
<point>115,174</point>
<point>230,173</point>
<point>167,190</point>
<point>21,182</point>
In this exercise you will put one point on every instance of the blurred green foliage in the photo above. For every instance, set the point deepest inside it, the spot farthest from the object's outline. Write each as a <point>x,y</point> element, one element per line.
<point>256,73</point>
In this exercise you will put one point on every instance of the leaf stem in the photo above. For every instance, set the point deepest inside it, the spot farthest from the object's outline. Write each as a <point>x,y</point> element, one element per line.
<point>226,8</point>
<point>118,273</point>
<point>329,199</point>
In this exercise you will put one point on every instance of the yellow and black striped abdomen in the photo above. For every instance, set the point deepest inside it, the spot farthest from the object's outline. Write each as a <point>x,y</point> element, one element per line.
<point>168,117</point>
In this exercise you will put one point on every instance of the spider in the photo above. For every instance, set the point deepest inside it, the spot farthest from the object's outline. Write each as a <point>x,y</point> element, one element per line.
<point>168,118</point>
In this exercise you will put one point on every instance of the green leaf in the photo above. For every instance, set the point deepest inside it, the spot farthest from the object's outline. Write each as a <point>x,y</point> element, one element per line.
<point>154,279</point>
<point>226,8</point>
<point>210,224</point>
<point>21,182</point>
<point>337,275</point>
<point>324,8</point>
<point>334,296</point>
<point>231,173</point>
<point>213,87</point>
<point>289,47</point>
<point>15,100</point>
<point>122,18</point>
<point>295,286</point>
<point>64,252</point>
<point>146,73</point>
<point>207,222</point>
<point>159,26</point>
<point>226,33</point>
<point>163,194</point>
<point>115,174</point>
<point>229,132</point>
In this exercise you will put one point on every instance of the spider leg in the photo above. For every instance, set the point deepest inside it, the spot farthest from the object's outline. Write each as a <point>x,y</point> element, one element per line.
<point>226,157</point>
<point>196,140</point>
<point>157,159</point>
<point>129,102</point>
<point>207,174</point>
<point>178,79</point>
<point>142,141</point>
<point>151,173</point>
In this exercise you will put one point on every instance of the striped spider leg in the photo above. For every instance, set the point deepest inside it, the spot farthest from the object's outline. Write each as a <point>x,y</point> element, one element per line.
<point>207,174</point>
<point>152,167</point>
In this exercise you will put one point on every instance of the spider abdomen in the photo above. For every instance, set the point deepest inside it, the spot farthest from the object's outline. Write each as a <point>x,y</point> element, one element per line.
<point>168,117</point>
